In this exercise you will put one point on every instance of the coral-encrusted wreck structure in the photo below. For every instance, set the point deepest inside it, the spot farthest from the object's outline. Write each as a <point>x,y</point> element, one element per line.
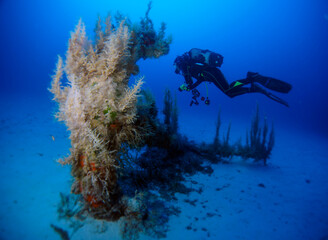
<point>125,162</point>
<point>100,109</point>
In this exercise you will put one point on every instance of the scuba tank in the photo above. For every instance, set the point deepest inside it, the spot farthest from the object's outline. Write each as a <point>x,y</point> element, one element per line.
<point>205,57</point>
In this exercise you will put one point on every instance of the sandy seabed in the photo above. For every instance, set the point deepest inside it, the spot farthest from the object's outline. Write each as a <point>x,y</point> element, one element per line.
<point>288,199</point>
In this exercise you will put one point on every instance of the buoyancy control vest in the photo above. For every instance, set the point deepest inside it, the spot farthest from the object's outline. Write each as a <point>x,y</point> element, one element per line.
<point>205,57</point>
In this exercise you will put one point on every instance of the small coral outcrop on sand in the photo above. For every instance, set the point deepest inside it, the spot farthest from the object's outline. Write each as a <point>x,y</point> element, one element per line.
<point>100,109</point>
<point>259,142</point>
<point>258,146</point>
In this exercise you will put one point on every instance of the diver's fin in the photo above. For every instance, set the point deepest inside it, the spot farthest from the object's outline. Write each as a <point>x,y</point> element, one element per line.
<point>256,88</point>
<point>277,99</point>
<point>270,83</point>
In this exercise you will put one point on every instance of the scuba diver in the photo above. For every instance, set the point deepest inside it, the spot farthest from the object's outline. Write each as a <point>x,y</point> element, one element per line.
<point>202,65</point>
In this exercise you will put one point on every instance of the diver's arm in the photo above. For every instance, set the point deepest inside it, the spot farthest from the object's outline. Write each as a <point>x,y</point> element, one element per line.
<point>188,80</point>
<point>192,86</point>
<point>187,76</point>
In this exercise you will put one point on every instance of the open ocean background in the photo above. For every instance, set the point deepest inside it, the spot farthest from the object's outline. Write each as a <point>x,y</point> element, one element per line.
<point>284,39</point>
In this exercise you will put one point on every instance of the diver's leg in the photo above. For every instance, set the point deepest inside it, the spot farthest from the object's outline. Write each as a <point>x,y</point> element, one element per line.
<point>269,82</point>
<point>219,80</point>
<point>239,83</point>
<point>237,88</point>
<point>195,84</point>
<point>236,91</point>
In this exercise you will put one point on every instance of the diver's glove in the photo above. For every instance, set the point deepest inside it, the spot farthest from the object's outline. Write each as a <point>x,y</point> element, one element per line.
<point>184,87</point>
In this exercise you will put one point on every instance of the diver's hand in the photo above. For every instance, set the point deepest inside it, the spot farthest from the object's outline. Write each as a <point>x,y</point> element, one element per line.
<point>184,87</point>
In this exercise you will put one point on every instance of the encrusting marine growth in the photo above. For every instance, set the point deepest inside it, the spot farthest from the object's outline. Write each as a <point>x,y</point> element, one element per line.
<point>100,109</point>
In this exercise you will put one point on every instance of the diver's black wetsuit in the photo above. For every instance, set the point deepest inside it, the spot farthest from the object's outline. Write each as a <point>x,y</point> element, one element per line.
<point>205,69</point>
<point>214,75</point>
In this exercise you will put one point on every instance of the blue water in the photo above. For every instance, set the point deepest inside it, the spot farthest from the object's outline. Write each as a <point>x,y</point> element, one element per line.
<point>285,39</point>
<point>282,39</point>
